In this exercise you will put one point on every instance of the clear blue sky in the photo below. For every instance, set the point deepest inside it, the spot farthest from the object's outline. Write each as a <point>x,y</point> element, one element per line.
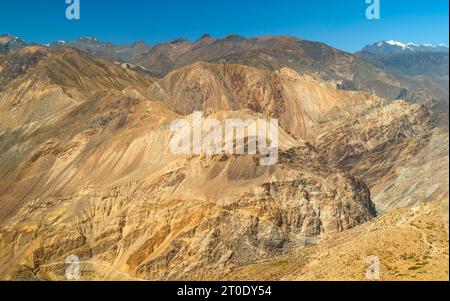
<point>339,23</point>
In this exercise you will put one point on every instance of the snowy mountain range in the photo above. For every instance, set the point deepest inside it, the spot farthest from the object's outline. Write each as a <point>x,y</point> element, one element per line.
<point>394,47</point>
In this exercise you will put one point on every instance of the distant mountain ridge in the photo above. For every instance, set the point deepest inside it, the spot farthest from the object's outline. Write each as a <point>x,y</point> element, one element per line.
<point>319,60</point>
<point>411,63</point>
<point>395,47</point>
<point>423,68</point>
<point>106,50</point>
<point>383,68</point>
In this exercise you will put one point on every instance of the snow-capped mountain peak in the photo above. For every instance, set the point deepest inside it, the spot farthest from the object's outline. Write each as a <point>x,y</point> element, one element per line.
<point>399,44</point>
<point>394,47</point>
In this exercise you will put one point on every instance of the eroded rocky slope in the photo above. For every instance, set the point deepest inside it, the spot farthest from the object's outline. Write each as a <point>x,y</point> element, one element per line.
<point>86,170</point>
<point>91,175</point>
<point>411,244</point>
<point>385,143</point>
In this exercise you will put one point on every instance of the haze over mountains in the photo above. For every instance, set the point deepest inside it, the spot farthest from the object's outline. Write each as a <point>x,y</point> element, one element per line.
<point>85,166</point>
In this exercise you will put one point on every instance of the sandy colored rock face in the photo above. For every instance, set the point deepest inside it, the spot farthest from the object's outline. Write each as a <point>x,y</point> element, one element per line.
<point>86,170</point>
<point>410,243</point>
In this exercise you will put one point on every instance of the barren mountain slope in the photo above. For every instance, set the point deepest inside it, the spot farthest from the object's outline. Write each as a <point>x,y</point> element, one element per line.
<point>105,50</point>
<point>325,63</point>
<point>374,139</point>
<point>410,64</point>
<point>33,108</point>
<point>86,170</point>
<point>395,148</point>
<point>56,83</point>
<point>411,244</point>
<point>297,101</point>
<point>17,63</point>
<point>423,73</point>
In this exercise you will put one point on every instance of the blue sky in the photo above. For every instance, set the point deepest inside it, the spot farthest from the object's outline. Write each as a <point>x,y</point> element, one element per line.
<point>339,23</point>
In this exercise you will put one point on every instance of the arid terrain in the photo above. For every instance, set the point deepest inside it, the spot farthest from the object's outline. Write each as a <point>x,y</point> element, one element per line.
<point>86,168</point>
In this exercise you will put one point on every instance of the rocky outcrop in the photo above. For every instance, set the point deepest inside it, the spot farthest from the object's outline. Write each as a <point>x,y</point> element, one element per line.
<point>410,243</point>
<point>383,147</point>
<point>160,231</point>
